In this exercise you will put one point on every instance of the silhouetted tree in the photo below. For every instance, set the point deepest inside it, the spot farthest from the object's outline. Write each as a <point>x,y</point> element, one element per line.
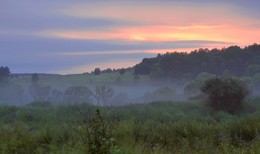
<point>4,74</point>
<point>145,67</point>
<point>108,70</point>
<point>97,71</point>
<point>35,79</point>
<point>225,94</point>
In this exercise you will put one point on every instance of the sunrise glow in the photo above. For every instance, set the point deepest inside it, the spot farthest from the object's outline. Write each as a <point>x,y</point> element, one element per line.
<point>82,30</point>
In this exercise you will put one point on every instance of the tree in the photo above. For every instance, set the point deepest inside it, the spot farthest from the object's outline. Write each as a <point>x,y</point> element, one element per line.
<point>225,94</point>
<point>177,64</point>
<point>157,73</point>
<point>34,79</point>
<point>37,92</point>
<point>108,70</point>
<point>145,66</point>
<point>4,74</point>
<point>97,71</point>
<point>103,94</point>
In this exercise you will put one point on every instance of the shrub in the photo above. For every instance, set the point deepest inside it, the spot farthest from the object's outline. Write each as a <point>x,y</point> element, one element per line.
<point>225,94</point>
<point>99,136</point>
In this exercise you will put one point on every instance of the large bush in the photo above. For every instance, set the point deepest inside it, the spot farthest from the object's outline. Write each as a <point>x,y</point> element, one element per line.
<point>225,94</point>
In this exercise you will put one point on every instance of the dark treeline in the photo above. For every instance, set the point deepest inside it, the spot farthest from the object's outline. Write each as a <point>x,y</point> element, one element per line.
<point>4,74</point>
<point>234,60</point>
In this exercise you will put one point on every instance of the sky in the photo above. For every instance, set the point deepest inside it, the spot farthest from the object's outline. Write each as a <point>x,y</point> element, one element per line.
<point>76,36</point>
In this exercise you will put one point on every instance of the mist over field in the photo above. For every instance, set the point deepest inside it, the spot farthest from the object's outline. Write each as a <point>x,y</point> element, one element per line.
<point>17,91</point>
<point>167,77</point>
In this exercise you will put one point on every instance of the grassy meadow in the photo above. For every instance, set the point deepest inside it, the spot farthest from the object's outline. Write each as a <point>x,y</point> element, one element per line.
<point>158,127</point>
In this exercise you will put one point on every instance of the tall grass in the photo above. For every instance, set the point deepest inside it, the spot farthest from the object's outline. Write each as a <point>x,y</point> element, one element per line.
<point>159,127</point>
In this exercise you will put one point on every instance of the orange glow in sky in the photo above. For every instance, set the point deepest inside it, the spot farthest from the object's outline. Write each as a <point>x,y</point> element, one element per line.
<point>77,35</point>
<point>230,34</point>
<point>159,23</point>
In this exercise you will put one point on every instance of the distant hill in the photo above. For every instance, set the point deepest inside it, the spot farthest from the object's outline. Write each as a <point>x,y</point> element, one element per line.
<point>232,60</point>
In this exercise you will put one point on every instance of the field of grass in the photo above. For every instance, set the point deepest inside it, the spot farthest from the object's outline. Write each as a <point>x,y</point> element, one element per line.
<point>159,127</point>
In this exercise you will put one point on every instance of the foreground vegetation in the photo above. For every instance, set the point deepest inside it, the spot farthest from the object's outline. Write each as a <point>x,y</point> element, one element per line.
<point>159,127</point>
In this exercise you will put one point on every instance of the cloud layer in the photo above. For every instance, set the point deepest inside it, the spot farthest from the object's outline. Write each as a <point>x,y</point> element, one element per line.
<point>77,36</point>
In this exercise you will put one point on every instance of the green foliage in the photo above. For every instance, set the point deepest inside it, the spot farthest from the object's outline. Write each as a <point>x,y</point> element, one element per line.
<point>39,104</point>
<point>157,73</point>
<point>98,136</point>
<point>155,128</point>
<point>164,91</point>
<point>145,67</point>
<point>178,64</point>
<point>244,131</point>
<point>8,113</point>
<point>225,94</point>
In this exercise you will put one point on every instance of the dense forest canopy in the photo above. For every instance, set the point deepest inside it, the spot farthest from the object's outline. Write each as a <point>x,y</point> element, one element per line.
<point>234,60</point>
